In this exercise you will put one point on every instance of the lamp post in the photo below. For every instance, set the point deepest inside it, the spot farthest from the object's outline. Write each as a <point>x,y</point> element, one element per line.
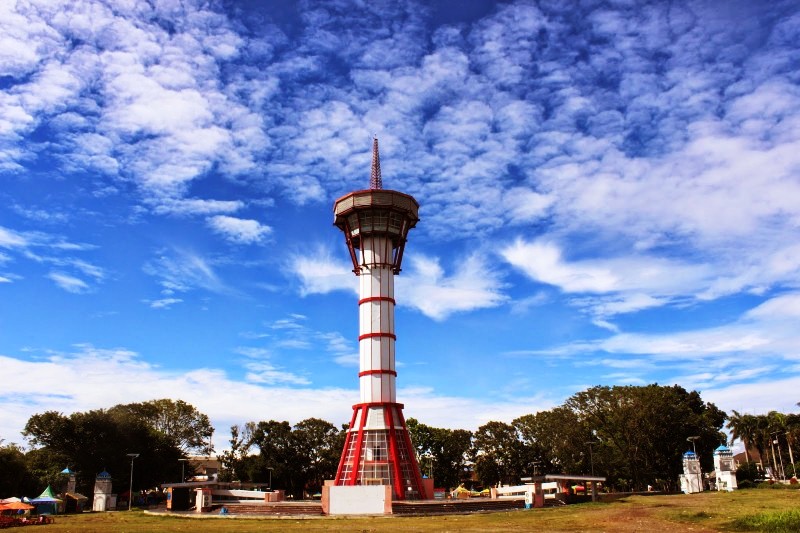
<point>270,479</point>
<point>693,440</point>
<point>780,453</point>
<point>130,487</point>
<point>591,455</point>
<point>183,469</point>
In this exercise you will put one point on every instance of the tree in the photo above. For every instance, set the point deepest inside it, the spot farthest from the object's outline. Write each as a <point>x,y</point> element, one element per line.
<point>279,459</point>
<point>554,441</point>
<point>233,462</point>
<point>188,429</point>
<point>15,476</point>
<point>498,454</point>
<point>642,431</point>
<point>319,444</point>
<point>96,440</point>
<point>743,427</point>
<point>442,453</point>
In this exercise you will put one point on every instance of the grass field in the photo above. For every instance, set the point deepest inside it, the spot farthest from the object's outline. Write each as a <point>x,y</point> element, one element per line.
<point>746,510</point>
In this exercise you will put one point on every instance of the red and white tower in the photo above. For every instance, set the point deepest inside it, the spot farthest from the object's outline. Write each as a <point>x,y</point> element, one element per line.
<point>378,450</point>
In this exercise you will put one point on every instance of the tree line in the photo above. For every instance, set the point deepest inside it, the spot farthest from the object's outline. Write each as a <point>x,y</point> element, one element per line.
<point>632,435</point>
<point>768,436</point>
<point>160,431</point>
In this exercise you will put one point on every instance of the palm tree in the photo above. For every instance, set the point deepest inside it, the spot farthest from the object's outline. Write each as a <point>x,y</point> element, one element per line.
<point>744,428</point>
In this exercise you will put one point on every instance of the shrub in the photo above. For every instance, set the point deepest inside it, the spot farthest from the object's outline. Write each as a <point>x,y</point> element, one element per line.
<point>747,472</point>
<point>771,522</point>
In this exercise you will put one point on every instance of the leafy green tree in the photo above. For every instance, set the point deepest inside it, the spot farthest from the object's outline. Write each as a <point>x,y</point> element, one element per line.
<point>319,444</point>
<point>642,431</point>
<point>747,472</point>
<point>16,478</point>
<point>554,442</point>
<point>234,460</point>
<point>279,458</point>
<point>96,440</point>
<point>498,454</point>
<point>444,453</point>
<point>187,428</point>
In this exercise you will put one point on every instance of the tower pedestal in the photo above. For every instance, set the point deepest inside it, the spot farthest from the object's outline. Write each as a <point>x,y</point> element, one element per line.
<point>378,451</point>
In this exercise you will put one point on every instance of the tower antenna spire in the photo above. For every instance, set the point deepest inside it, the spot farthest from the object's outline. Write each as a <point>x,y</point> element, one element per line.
<point>375,181</point>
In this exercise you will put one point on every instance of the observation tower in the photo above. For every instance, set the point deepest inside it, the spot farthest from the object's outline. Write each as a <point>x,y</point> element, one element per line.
<point>377,449</point>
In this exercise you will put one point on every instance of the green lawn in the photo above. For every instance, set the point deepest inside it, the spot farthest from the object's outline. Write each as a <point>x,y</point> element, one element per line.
<point>738,511</point>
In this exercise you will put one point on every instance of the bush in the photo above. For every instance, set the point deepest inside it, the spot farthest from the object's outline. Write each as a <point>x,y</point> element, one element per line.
<point>772,522</point>
<point>778,486</point>
<point>746,484</point>
<point>747,472</point>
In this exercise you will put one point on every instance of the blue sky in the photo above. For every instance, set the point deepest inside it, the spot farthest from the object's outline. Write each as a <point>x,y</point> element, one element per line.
<point>610,194</point>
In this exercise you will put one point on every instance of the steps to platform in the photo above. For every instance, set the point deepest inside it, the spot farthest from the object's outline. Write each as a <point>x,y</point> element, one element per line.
<point>272,508</point>
<point>454,506</point>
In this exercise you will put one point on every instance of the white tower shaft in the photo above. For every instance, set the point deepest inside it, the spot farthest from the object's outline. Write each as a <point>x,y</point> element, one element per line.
<point>377,373</point>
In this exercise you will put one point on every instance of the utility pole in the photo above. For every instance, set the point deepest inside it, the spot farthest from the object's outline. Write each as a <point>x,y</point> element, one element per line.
<point>183,469</point>
<point>130,487</point>
<point>591,455</point>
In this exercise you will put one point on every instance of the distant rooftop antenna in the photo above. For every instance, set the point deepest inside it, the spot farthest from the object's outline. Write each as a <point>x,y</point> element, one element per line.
<point>375,181</point>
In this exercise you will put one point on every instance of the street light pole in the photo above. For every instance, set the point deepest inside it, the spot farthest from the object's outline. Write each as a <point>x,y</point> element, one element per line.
<point>183,469</point>
<point>270,478</point>
<point>693,440</point>
<point>780,454</point>
<point>130,487</point>
<point>591,455</point>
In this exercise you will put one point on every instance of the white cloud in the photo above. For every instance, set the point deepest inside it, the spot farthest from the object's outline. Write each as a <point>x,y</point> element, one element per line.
<point>426,287</point>
<point>423,284</point>
<point>756,347</point>
<point>611,286</point>
<point>164,303</point>
<point>184,270</point>
<point>194,206</point>
<point>239,230</point>
<point>783,307</point>
<point>320,273</point>
<point>121,376</point>
<point>69,283</point>
<point>294,333</point>
<point>11,239</point>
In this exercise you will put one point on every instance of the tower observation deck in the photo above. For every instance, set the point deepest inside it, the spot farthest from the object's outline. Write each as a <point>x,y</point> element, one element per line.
<point>377,449</point>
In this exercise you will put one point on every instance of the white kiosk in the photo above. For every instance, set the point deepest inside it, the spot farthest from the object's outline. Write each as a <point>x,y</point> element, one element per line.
<point>103,499</point>
<point>692,477</point>
<point>725,469</point>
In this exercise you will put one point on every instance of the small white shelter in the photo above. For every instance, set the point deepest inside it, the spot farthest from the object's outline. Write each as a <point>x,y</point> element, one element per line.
<point>725,469</point>
<point>692,477</point>
<point>103,499</point>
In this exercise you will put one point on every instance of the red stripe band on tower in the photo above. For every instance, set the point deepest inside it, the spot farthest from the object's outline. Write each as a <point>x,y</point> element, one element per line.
<point>373,372</point>
<point>376,299</point>
<point>378,404</point>
<point>374,335</point>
